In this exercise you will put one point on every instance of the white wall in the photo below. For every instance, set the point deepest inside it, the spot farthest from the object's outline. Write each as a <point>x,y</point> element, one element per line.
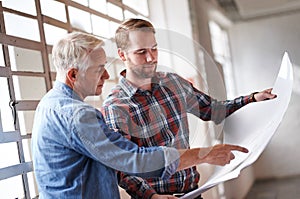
<point>257,49</point>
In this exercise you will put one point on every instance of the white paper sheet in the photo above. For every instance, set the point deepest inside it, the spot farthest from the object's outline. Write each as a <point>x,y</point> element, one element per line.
<point>252,127</point>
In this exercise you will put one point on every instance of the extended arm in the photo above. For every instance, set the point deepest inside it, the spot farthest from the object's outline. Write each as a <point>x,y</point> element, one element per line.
<point>220,154</point>
<point>110,148</point>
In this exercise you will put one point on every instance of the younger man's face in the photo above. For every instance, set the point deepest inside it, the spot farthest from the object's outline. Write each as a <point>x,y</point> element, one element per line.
<point>141,54</point>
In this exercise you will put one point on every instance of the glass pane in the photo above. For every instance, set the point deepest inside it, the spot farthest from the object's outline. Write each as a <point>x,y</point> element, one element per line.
<point>2,63</point>
<point>21,26</point>
<point>99,5</point>
<point>113,27</point>
<point>100,26</point>
<point>22,59</point>
<point>27,6</point>
<point>53,33</point>
<point>29,88</point>
<point>52,67</point>
<point>26,121</point>
<point>111,51</point>
<point>139,5</point>
<point>80,19</point>
<point>27,149</point>
<point>10,152</point>
<point>12,188</point>
<point>32,185</point>
<point>6,114</point>
<point>129,14</point>
<point>114,11</point>
<point>54,9</point>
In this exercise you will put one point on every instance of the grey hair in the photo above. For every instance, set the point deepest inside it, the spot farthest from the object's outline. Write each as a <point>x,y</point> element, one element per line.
<point>73,51</point>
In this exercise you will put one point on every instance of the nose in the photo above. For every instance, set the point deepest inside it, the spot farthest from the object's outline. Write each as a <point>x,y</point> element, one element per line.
<point>150,56</point>
<point>105,75</point>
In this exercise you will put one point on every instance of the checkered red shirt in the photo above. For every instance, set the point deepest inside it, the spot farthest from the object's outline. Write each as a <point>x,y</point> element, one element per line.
<point>159,118</point>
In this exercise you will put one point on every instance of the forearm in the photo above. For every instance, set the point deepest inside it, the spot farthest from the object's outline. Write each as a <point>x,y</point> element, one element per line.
<point>220,154</point>
<point>188,158</point>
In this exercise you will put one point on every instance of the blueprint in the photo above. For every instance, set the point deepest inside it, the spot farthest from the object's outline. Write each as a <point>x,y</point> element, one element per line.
<point>252,127</point>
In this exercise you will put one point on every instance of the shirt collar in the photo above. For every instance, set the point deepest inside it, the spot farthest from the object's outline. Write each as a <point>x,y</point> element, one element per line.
<point>129,88</point>
<point>62,87</point>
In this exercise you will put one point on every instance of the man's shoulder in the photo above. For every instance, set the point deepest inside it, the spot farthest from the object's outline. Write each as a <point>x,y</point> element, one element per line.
<point>62,103</point>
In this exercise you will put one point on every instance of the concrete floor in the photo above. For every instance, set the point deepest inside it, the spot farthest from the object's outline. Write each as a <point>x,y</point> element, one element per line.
<point>285,188</point>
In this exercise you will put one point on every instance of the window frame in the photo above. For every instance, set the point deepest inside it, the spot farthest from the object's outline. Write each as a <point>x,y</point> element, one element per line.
<point>24,168</point>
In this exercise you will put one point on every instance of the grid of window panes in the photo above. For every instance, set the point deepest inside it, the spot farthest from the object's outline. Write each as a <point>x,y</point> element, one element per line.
<point>220,45</point>
<point>28,29</point>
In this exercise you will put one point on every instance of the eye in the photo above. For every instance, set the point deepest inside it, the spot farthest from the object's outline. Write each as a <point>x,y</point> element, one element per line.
<point>142,51</point>
<point>154,48</point>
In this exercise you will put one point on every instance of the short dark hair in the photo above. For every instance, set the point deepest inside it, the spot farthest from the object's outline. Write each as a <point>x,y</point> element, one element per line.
<point>122,33</point>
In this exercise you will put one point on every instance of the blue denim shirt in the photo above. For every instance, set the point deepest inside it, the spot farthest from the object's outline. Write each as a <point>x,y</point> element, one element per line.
<point>75,154</point>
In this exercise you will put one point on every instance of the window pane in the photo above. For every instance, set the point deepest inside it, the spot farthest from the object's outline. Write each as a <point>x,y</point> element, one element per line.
<point>113,27</point>
<point>129,14</point>
<point>100,26</point>
<point>99,5</point>
<point>21,26</point>
<point>80,19</point>
<point>114,11</point>
<point>22,59</point>
<point>29,88</point>
<point>26,121</point>
<point>32,185</point>
<point>12,188</point>
<point>10,152</point>
<point>54,9</point>
<point>139,5</point>
<point>52,33</point>
<point>52,67</point>
<point>111,51</point>
<point>6,114</point>
<point>27,6</point>
<point>2,64</point>
<point>220,45</point>
<point>27,149</point>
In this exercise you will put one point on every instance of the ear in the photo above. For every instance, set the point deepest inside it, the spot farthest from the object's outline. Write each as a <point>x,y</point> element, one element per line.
<point>72,76</point>
<point>121,54</point>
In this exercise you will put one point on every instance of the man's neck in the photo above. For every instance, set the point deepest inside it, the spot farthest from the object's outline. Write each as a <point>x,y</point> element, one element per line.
<point>142,83</point>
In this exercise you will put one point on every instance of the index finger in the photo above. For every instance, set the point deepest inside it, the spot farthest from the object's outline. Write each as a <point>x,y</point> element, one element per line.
<point>237,148</point>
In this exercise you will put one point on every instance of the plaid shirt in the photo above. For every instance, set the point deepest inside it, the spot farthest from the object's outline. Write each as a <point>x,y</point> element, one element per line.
<point>159,118</point>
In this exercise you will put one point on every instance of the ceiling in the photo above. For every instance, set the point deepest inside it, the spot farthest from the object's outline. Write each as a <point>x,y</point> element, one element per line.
<point>238,10</point>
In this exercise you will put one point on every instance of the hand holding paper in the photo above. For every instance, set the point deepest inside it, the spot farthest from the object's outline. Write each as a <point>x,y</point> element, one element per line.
<point>264,95</point>
<point>253,127</point>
